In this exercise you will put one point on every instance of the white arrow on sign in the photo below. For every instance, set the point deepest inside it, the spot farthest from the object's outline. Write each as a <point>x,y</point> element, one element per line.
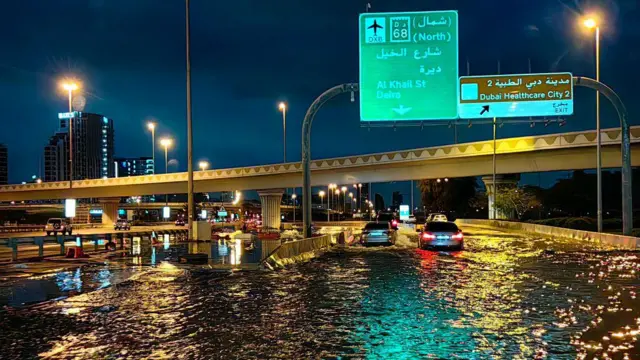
<point>401,110</point>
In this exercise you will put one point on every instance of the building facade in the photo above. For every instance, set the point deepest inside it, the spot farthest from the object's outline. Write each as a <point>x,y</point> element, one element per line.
<point>93,148</point>
<point>124,167</point>
<point>4,165</point>
<point>56,158</point>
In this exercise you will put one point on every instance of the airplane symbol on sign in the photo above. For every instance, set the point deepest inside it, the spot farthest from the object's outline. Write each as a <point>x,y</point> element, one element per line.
<point>375,27</point>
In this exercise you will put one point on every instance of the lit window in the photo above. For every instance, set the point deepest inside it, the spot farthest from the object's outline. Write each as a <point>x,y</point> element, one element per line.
<point>104,131</point>
<point>106,121</point>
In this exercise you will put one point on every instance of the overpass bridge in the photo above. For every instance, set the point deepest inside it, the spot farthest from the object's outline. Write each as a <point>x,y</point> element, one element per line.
<point>565,151</point>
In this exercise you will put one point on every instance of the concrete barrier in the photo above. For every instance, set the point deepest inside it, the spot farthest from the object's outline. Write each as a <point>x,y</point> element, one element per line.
<point>617,241</point>
<point>295,251</point>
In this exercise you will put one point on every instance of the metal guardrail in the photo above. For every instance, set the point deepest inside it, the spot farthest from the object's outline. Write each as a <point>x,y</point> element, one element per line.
<point>20,228</point>
<point>111,236</point>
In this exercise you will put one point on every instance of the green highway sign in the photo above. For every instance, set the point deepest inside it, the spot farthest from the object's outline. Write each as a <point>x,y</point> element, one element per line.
<point>408,66</point>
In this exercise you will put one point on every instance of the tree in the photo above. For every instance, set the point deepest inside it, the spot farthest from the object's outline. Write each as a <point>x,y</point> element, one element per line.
<point>515,200</point>
<point>448,195</point>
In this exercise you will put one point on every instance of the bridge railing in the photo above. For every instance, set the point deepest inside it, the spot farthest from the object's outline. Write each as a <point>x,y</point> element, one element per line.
<point>20,228</point>
<point>16,244</point>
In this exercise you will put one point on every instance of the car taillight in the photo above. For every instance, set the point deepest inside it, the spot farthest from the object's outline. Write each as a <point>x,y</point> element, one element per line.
<point>428,236</point>
<point>457,236</point>
<point>394,223</point>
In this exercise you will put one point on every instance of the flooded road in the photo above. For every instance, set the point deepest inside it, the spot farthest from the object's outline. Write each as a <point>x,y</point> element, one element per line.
<point>505,297</point>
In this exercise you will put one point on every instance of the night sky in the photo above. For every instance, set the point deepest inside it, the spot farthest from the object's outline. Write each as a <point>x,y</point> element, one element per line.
<point>249,55</point>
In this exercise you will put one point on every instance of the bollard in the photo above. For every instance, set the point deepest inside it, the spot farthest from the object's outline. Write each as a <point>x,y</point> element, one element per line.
<point>61,242</point>
<point>13,243</point>
<point>40,242</point>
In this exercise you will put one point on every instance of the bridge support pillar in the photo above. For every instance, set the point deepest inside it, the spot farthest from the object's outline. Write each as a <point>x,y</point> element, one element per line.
<point>109,210</point>
<point>270,201</point>
<point>501,181</point>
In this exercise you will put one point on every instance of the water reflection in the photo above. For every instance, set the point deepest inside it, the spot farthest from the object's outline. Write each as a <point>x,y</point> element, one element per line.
<point>500,299</point>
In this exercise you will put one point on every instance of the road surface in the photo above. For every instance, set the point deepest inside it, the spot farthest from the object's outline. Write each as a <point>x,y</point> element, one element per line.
<point>504,297</point>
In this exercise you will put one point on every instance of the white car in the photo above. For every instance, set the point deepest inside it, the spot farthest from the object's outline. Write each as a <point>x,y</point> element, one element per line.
<point>58,225</point>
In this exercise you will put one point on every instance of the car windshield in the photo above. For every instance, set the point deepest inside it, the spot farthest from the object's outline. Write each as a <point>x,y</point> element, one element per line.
<point>54,221</point>
<point>442,226</point>
<point>377,226</point>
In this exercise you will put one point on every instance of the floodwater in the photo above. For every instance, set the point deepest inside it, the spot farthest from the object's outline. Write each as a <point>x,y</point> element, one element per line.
<point>505,297</point>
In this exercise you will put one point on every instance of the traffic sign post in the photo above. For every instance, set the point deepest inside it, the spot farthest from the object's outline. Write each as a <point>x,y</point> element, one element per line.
<point>408,66</point>
<point>524,95</point>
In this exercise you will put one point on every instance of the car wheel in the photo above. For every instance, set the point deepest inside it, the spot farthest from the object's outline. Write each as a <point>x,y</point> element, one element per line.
<point>48,233</point>
<point>70,232</point>
<point>55,233</point>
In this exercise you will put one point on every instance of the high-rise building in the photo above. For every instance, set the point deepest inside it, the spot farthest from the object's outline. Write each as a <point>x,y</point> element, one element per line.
<point>56,158</point>
<point>93,148</point>
<point>4,165</point>
<point>133,166</point>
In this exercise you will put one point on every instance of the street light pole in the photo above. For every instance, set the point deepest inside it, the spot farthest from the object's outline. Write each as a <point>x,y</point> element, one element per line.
<point>495,188</point>
<point>166,171</point>
<point>592,23</point>
<point>283,108</point>
<point>293,197</point>
<point>321,194</point>
<point>189,125</point>
<point>166,143</point>
<point>598,135</point>
<point>70,87</point>
<point>152,127</point>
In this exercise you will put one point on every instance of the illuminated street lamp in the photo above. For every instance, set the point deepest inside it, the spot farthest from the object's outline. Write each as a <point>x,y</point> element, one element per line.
<point>283,108</point>
<point>152,127</point>
<point>293,198</point>
<point>166,142</point>
<point>592,23</point>
<point>203,165</point>
<point>70,87</point>
<point>344,198</point>
<point>329,196</point>
<point>321,193</point>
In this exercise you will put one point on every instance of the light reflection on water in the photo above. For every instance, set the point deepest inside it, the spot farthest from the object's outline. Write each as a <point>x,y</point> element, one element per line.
<point>501,299</point>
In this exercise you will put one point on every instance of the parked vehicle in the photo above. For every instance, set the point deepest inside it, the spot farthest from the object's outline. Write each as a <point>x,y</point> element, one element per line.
<point>58,225</point>
<point>441,234</point>
<point>122,224</point>
<point>378,233</point>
